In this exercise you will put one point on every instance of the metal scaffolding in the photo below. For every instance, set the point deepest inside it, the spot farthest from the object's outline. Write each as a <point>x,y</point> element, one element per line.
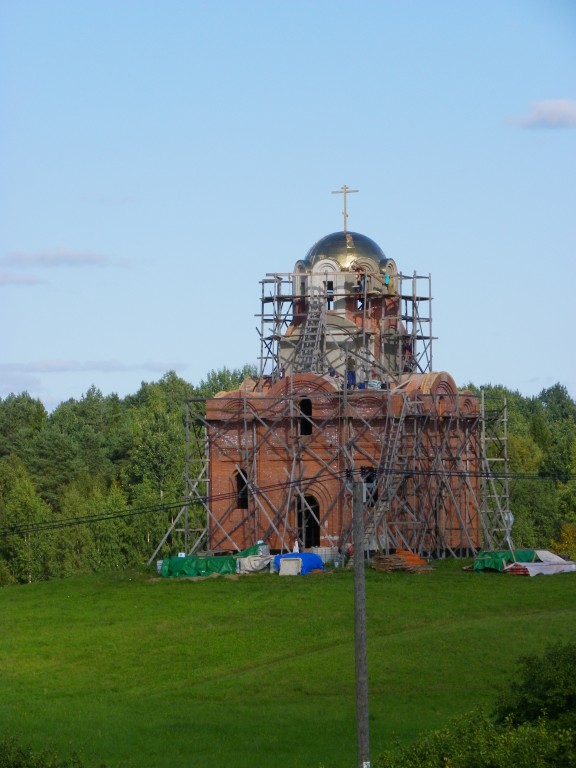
<point>433,487</point>
<point>406,342</point>
<point>272,460</point>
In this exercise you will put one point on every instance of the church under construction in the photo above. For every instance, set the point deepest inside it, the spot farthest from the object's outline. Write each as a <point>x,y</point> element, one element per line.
<point>346,389</point>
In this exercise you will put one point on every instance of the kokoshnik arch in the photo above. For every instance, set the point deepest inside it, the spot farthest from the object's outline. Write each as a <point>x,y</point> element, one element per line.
<point>346,388</point>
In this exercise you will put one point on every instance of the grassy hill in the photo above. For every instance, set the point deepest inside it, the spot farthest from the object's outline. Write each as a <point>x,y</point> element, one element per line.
<point>133,671</point>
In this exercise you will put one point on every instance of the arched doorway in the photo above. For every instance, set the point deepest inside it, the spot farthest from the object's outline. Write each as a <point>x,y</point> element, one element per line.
<point>308,521</point>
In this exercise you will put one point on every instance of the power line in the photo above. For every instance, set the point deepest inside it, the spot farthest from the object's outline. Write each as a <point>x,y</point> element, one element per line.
<point>49,525</point>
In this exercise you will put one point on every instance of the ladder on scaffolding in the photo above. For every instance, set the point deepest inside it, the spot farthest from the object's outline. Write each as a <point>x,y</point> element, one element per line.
<point>496,516</point>
<point>391,478</point>
<point>379,495</point>
<point>308,355</point>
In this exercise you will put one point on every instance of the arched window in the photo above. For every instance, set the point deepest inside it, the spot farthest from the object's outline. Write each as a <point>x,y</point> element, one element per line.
<point>241,483</point>
<point>306,422</point>
<point>370,485</point>
<point>329,291</point>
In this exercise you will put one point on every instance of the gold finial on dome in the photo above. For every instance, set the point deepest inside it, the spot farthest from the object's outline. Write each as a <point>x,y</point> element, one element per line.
<point>344,190</point>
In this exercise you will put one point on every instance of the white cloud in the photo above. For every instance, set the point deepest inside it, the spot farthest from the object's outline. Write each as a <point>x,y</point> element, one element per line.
<point>100,366</point>
<point>11,384</point>
<point>55,258</point>
<point>13,278</point>
<point>551,113</point>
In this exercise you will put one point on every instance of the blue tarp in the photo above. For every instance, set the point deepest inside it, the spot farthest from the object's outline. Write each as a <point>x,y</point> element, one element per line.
<point>310,561</point>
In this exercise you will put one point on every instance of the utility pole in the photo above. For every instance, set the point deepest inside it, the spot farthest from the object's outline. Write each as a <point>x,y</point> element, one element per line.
<point>362,726</point>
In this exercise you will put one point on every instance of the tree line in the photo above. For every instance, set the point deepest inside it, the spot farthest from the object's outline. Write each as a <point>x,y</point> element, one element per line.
<point>121,461</point>
<point>541,449</point>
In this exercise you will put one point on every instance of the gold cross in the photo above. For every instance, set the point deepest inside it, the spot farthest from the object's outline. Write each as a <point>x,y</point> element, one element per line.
<point>344,191</point>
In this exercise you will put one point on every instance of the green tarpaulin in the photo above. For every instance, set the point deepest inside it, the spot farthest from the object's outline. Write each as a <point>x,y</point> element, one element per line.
<point>497,561</point>
<point>196,565</point>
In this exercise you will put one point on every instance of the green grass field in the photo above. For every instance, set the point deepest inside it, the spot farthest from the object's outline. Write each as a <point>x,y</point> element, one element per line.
<point>133,671</point>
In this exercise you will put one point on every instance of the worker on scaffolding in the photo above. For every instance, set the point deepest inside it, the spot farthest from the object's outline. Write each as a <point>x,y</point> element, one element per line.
<point>351,372</point>
<point>408,355</point>
<point>360,285</point>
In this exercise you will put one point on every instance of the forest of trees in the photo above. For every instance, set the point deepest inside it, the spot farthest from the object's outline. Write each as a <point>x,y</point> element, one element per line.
<point>121,461</point>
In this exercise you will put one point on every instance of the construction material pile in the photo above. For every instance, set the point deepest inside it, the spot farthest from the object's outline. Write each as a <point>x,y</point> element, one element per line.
<point>401,561</point>
<point>523,562</point>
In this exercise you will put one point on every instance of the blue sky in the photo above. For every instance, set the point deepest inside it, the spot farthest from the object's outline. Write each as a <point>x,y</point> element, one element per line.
<point>157,159</point>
